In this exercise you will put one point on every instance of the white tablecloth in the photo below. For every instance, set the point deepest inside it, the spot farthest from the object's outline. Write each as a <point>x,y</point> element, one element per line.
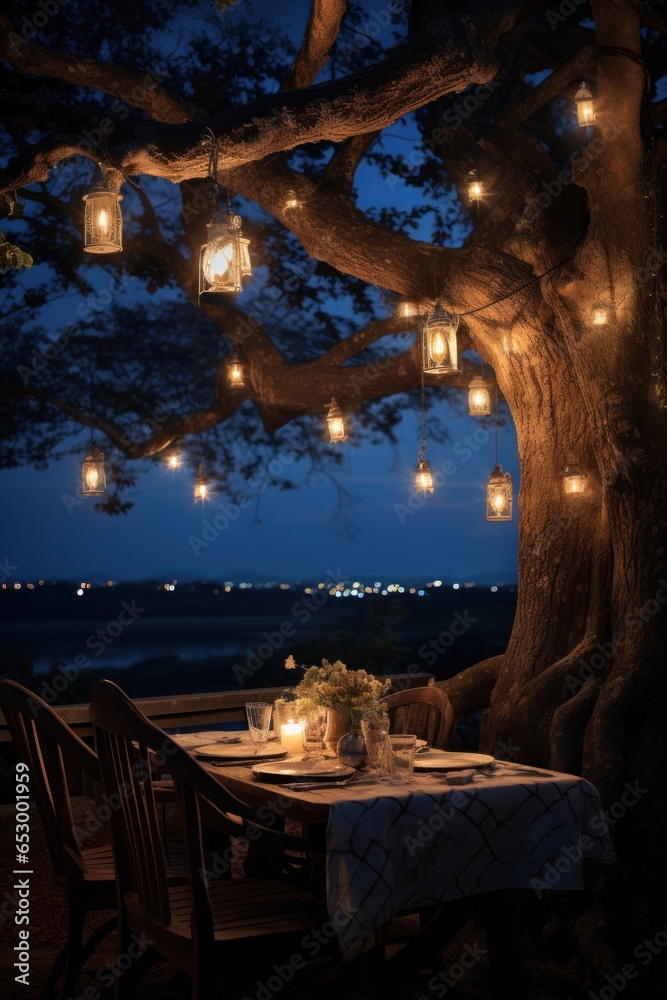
<point>399,847</point>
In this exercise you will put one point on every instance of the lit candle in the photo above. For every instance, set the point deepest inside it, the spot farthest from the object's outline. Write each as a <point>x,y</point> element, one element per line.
<point>291,737</point>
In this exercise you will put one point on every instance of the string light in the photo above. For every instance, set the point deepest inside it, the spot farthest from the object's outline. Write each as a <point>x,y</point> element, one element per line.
<point>102,222</point>
<point>585,106</point>
<point>336,423</point>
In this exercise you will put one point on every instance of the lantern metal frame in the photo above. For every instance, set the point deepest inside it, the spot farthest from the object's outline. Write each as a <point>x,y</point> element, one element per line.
<point>106,238</point>
<point>575,482</point>
<point>479,397</point>
<point>93,463</point>
<point>226,242</point>
<point>439,342</point>
<point>499,486</point>
<point>292,201</point>
<point>336,423</point>
<point>235,372</point>
<point>585,103</point>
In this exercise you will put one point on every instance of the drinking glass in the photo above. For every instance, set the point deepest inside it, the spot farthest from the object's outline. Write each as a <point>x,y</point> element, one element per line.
<point>402,756</point>
<point>375,734</point>
<point>259,720</point>
<point>313,721</point>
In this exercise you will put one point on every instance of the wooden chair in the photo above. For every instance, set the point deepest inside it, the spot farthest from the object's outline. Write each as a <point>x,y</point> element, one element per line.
<point>213,929</point>
<point>49,747</point>
<point>425,711</point>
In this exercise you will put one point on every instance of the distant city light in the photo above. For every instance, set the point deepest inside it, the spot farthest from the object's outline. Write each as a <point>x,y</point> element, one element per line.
<point>455,586</point>
<point>494,590</point>
<point>421,593</point>
<point>79,592</point>
<point>437,583</point>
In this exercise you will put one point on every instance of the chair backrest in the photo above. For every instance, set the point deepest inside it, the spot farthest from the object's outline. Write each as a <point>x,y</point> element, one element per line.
<point>47,745</point>
<point>133,752</point>
<point>425,711</point>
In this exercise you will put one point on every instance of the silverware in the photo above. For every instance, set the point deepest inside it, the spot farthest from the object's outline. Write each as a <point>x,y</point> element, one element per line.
<point>229,763</point>
<point>309,786</point>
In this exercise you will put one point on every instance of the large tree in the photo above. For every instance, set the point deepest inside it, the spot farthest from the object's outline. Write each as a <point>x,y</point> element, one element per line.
<point>558,269</point>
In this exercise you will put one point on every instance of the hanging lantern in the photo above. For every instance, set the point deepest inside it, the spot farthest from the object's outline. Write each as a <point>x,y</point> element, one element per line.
<point>224,260</point>
<point>93,476</point>
<point>423,477</point>
<point>479,398</point>
<point>292,200</point>
<point>599,315</point>
<point>499,496</point>
<point>201,486</point>
<point>102,222</point>
<point>336,423</point>
<point>235,373</point>
<point>407,309</point>
<point>173,460</point>
<point>439,342</point>
<point>475,187</point>
<point>585,106</point>
<point>574,480</point>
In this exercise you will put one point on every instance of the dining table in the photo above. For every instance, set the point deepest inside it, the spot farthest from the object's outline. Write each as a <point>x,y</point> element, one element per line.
<point>396,846</point>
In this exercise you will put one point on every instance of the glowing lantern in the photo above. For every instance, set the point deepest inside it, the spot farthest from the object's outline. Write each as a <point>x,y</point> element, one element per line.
<point>499,496</point>
<point>585,106</point>
<point>407,309</point>
<point>291,200</point>
<point>599,315</point>
<point>336,423</point>
<point>235,373</point>
<point>475,187</point>
<point>93,476</point>
<point>574,480</point>
<point>224,260</point>
<point>201,486</point>
<point>173,460</point>
<point>440,346</point>
<point>102,222</point>
<point>479,398</point>
<point>423,477</point>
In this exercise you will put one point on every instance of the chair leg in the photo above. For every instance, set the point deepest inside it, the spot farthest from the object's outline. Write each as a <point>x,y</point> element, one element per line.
<point>75,948</point>
<point>127,979</point>
<point>60,961</point>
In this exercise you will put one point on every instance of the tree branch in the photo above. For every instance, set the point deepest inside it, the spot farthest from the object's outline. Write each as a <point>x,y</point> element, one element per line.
<point>131,86</point>
<point>321,33</point>
<point>546,91</point>
<point>341,168</point>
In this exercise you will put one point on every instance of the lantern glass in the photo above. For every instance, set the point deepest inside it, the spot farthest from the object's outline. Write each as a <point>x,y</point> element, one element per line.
<point>440,347</point>
<point>336,423</point>
<point>102,222</point>
<point>499,496</point>
<point>201,486</point>
<point>479,398</point>
<point>599,315</point>
<point>423,477</point>
<point>93,476</point>
<point>407,309</point>
<point>585,106</point>
<point>235,373</point>
<point>574,480</point>
<point>224,260</point>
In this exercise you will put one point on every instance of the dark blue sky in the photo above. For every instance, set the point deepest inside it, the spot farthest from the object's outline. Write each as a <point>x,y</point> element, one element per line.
<point>293,534</point>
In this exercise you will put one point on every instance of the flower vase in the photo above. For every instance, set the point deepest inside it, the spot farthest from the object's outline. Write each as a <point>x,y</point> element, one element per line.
<point>338,724</point>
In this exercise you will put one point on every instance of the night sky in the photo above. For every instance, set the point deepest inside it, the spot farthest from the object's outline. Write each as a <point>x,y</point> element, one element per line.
<point>279,535</point>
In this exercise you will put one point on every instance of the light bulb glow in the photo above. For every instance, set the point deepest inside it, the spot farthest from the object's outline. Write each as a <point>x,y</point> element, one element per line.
<point>585,106</point>
<point>574,484</point>
<point>423,477</point>
<point>599,316</point>
<point>407,309</point>
<point>216,262</point>
<point>335,423</point>
<point>479,398</point>
<point>438,346</point>
<point>92,477</point>
<point>102,222</point>
<point>475,190</point>
<point>235,373</point>
<point>574,480</point>
<point>174,461</point>
<point>499,496</point>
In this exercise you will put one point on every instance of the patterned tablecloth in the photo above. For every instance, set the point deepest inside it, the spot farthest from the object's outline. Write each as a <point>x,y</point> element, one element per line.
<point>410,845</point>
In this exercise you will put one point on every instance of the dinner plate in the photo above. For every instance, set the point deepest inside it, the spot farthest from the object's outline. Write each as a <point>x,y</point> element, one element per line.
<point>239,751</point>
<point>450,760</point>
<point>311,769</point>
<point>189,741</point>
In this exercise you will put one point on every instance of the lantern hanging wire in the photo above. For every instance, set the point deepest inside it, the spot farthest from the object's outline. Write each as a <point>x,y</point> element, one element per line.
<point>423,476</point>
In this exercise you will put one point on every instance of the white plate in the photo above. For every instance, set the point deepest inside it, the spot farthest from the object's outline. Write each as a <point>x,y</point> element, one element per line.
<point>191,740</point>
<point>450,760</point>
<point>239,751</point>
<point>311,769</point>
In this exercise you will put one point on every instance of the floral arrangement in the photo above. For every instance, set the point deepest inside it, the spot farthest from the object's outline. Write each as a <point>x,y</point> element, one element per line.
<point>354,693</point>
